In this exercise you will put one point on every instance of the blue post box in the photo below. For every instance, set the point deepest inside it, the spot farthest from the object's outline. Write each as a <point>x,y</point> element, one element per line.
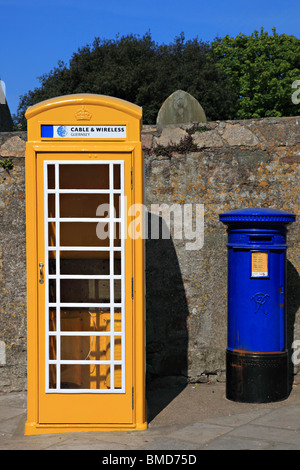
<point>256,357</point>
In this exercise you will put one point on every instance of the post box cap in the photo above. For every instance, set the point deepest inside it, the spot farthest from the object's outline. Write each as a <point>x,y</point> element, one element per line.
<point>257,214</point>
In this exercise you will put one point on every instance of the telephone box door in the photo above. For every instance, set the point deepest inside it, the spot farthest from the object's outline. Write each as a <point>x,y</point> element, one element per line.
<point>85,337</point>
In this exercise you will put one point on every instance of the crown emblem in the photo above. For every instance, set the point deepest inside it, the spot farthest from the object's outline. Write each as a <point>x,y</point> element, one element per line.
<point>82,114</point>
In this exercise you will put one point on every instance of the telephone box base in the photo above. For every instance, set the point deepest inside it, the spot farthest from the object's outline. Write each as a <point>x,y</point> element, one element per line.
<point>36,429</point>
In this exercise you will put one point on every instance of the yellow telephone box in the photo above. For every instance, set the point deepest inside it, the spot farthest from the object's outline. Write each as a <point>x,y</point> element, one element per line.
<point>85,266</point>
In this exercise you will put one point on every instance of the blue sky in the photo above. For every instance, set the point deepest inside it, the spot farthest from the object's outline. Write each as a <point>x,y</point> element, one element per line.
<point>36,34</point>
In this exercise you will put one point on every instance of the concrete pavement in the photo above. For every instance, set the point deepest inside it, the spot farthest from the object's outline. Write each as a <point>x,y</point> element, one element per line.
<point>197,417</point>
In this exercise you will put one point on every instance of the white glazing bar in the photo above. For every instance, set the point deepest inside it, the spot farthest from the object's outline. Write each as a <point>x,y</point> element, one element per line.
<point>85,276</point>
<point>85,362</point>
<point>85,219</point>
<point>57,238</point>
<point>84,333</point>
<point>85,304</point>
<point>84,248</point>
<point>86,390</point>
<point>84,191</point>
<point>111,270</point>
<point>46,267</point>
<point>123,371</point>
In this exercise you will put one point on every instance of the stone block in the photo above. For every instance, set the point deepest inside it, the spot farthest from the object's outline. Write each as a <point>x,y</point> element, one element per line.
<point>13,147</point>
<point>235,134</point>
<point>207,139</point>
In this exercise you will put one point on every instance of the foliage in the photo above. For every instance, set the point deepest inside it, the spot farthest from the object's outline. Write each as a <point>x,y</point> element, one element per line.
<point>7,164</point>
<point>262,67</point>
<point>232,78</point>
<point>142,72</point>
<point>185,145</point>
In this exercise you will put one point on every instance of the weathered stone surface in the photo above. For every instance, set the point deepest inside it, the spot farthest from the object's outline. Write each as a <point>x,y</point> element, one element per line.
<point>13,147</point>
<point>207,139</point>
<point>180,107</point>
<point>13,277</point>
<point>169,136</point>
<point>234,134</point>
<point>147,141</point>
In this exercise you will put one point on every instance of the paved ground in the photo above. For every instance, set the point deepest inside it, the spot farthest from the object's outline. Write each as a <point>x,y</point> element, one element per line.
<point>197,417</point>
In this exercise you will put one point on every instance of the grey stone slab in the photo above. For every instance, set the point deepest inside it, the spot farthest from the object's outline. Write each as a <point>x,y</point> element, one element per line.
<point>236,419</point>
<point>200,433</point>
<point>29,442</point>
<point>15,400</point>
<point>287,417</point>
<point>10,426</point>
<point>267,434</point>
<point>170,444</point>
<point>281,446</point>
<point>235,443</point>
<point>125,440</point>
<point>7,412</point>
<point>91,444</point>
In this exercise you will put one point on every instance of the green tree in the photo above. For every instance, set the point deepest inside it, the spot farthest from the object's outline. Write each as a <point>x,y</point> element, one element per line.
<point>142,72</point>
<point>262,67</point>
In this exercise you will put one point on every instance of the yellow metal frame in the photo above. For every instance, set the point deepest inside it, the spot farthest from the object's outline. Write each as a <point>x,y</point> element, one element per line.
<point>62,111</point>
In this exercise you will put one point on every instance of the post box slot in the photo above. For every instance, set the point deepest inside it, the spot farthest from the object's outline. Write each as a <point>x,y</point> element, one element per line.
<point>260,239</point>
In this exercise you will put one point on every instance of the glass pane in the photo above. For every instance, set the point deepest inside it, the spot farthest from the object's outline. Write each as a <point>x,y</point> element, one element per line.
<point>81,176</point>
<point>117,179</point>
<point>83,376</point>
<point>84,205</point>
<point>117,290</point>
<point>117,206</point>
<point>51,205</point>
<point>51,176</point>
<point>83,348</point>
<point>51,234</point>
<point>52,347</point>
<point>84,234</point>
<point>52,290</point>
<point>85,290</point>
<point>52,376</point>
<point>117,263</point>
<point>106,321</point>
<point>85,319</point>
<point>118,320</point>
<point>117,234</point>
<point>118,376</point>
<point>84,262</point>
<point>52,262</point>
<point>118,348</point>
<point>52,319</point>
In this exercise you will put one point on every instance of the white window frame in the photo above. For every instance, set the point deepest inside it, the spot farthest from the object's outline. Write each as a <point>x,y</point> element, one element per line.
<point>111,277</point>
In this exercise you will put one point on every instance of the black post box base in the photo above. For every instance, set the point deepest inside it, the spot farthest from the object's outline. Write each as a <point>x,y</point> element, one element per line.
<point>257,377</point>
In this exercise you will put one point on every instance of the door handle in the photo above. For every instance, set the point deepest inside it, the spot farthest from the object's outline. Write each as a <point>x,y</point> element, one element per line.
<point>41,281</point>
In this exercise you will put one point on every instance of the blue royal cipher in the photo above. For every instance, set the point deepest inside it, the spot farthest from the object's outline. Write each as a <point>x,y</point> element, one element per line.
<point>257,368</point>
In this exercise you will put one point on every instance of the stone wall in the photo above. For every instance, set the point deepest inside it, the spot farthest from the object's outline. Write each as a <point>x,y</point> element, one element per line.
<point>222,165</point>
<point>12,264</point>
